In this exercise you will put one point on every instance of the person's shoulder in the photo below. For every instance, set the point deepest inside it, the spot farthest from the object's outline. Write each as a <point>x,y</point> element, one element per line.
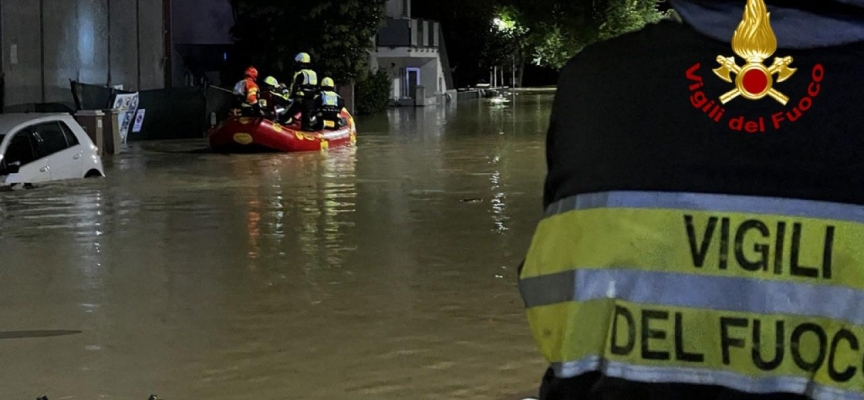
<point>656,37</point>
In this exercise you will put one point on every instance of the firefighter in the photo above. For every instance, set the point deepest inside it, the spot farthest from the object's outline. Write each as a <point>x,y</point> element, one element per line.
<point>304,85</point>
<point>248,93</point>
<point>277,98</point>
<point>703,209</point>
<point>328,106</point>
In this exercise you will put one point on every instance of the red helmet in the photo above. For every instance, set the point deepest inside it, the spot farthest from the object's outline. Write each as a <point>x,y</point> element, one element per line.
<point>251,72</point>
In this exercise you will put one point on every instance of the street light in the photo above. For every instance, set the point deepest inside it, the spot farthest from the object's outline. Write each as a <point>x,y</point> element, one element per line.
<point>500,24</point>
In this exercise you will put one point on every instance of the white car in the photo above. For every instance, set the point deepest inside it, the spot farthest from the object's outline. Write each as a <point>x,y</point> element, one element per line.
<point>37,148</point>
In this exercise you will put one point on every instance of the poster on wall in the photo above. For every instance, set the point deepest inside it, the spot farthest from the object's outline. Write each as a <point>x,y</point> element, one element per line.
<point>139,121</point>
<point>127,105</point>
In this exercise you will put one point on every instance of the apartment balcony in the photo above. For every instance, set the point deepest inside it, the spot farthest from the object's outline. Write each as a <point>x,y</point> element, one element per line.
<point>408,38</point>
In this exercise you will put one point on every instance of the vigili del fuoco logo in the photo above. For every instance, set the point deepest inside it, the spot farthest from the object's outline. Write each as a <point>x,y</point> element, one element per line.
<point>754,42</point>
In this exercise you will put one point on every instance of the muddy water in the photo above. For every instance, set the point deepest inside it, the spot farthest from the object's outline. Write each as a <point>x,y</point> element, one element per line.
<point>386,271</point>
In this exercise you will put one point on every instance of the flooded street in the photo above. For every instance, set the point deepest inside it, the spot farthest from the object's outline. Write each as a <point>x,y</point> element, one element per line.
<point>386,271</point>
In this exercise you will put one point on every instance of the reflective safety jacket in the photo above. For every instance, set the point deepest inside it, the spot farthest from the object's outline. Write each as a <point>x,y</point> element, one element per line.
<point>328,105</point>
<point>248,90</point>
<point>329,99</point>
<point>305,81</point>
<point>691,241</point>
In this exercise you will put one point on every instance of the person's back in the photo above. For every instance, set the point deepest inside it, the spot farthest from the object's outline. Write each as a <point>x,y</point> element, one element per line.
<point>696,249</point>
<point>304,84</point>
<point>328,105</point>
<point>247,92</point>
<point>304,80</point>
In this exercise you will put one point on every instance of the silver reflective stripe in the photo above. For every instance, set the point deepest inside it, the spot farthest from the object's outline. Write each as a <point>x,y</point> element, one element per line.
<point>240,88</point>
<point>548,289</point>
<point>710,202</point>
<point>696,291</point>
<point>704,377</point>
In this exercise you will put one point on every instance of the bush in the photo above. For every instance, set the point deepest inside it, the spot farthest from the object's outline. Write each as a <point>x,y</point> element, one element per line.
<point>373,93</point>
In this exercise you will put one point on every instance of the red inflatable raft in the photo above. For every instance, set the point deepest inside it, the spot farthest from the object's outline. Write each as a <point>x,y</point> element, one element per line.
<point>255,134</point>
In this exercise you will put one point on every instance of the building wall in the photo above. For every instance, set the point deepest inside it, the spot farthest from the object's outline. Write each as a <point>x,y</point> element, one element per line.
<point>152,49</point>
<point>431,75</point>
<point>91,41</point>
<point>124,44</point>
<point>22,58</point>
<point>201,31</point>
<point>397,8</point>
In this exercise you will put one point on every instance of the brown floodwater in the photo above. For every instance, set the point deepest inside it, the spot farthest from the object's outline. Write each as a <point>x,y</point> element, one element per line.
<point>385,271</point>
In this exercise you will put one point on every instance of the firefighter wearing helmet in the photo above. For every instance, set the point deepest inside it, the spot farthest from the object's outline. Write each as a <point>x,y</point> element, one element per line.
<point>248,92</point>
<point>277,98</point>
<point>304,86</point>
<point>329,106</point>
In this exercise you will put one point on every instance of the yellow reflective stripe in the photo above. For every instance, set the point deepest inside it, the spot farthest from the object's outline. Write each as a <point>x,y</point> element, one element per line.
<point>311,77</point>
<point>553,328</point>
<point>811,250</point>
<point>676,337</point>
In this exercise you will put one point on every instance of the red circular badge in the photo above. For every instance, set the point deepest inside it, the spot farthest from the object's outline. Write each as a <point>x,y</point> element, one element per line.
<point>755,81</point>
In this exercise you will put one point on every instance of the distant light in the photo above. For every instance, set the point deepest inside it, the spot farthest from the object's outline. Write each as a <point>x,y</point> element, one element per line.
<point>224,56</point>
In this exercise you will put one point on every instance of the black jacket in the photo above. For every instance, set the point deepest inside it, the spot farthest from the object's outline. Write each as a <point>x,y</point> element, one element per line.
<point>624,119</point>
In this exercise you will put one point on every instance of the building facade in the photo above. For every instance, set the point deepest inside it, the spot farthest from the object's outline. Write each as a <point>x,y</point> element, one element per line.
<point>47,43</point>
<point>413,54</point>
<point>201,41</point>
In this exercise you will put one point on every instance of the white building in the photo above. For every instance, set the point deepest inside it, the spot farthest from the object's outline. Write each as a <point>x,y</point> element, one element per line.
<point>412,51</point>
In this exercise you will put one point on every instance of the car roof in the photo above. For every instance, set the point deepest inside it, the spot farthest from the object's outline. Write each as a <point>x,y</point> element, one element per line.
<point>8,122</point>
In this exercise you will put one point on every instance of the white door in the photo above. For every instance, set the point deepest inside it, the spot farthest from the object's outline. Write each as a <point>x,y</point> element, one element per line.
<point>52,144</point>
<point>22,151</point>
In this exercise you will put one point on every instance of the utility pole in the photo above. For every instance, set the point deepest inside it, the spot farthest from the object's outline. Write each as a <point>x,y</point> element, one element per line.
<point>495,75</point>
<point>513,70</point>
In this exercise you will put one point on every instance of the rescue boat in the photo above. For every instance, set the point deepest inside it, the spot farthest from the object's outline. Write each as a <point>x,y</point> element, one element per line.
<point>256,134</point>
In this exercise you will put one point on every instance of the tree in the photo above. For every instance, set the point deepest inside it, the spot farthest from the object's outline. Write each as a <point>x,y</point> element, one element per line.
<point>336,33</point>
<point>507,42</point>
<point>623,16</point>
<point>558,29</point>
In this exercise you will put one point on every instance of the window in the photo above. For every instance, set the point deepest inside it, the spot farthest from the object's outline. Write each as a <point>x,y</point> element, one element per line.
<point>20,149</point>
<point>71,139</point>
<point>50,139</point>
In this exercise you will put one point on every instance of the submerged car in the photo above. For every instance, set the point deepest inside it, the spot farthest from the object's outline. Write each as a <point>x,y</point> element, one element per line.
<point>36,148</point>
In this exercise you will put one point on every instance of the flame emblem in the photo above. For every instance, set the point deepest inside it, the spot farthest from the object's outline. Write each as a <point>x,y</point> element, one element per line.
<point>754,41</point>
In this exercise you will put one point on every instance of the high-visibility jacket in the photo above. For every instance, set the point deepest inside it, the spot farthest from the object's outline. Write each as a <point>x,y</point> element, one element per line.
<point>329,98</point>
<point>328,106</point>
<point>248,91</point>
<point>691,241</point>
<point>329,101</point>
<point>304,83</point>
